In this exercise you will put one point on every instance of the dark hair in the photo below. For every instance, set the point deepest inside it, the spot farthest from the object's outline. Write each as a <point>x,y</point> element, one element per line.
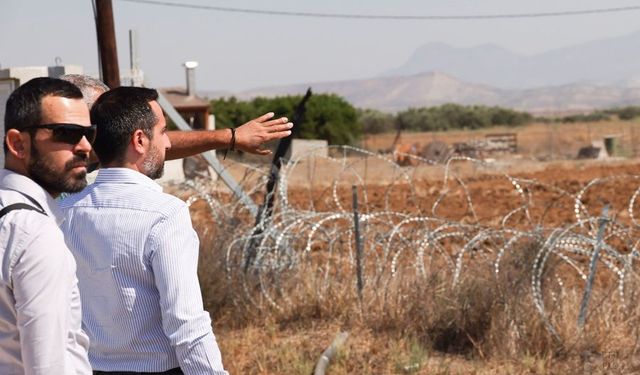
<point>24,106</point>
<point>118,113</point>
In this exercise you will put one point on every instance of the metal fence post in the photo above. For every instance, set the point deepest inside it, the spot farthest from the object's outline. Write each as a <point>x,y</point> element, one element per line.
<point>602,222</point>
<point>356,224</point>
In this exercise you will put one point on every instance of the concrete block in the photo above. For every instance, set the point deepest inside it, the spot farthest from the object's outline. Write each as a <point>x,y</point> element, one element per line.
<point>24,73</point>
<point>172,172</point>
<point>308,147</point>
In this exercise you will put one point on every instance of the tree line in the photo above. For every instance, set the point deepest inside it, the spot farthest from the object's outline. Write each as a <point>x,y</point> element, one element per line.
<point>622,113</point>
<point>330,117</point>
<point>441,118</point>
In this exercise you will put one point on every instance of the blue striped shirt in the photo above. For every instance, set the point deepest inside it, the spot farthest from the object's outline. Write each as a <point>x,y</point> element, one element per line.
<point>137,256</point>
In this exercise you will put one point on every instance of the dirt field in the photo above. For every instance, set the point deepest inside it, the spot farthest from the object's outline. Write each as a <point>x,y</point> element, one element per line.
<point>293,345</point>
<point>546,154</point>
<point>383,186</point>
<point>538,140</point>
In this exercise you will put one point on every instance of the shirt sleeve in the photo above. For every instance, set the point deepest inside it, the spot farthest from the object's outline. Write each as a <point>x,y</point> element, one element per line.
<point>174,259</point>
<point>77,340</point>
<point>41,287</point>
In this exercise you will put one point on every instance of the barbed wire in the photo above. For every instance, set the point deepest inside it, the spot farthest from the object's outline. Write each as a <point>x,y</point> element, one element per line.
<point>413,229</point>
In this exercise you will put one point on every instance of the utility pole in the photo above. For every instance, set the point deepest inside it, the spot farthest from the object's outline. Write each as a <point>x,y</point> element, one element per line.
<point>108,51</point>
<point>134,58</point>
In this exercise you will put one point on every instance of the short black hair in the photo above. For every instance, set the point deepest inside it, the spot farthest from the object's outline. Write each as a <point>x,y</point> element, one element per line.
<point>118,113</point>
<point>24,106</point>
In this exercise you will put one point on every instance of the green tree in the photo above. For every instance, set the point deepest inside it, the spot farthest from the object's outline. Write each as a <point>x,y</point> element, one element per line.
<point>628,113</point>
<point>330,117</point>
<point>455,116</point>
<point>375,122</point>
<point>327,116</point>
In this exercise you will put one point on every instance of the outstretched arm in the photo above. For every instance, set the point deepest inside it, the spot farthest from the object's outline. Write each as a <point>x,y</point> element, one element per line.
<point>249,137</point>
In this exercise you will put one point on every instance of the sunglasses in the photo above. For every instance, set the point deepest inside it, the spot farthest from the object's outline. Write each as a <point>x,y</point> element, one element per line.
<point>68,133</point>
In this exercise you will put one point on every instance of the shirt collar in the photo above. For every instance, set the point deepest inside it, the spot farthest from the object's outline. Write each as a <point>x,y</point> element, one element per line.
<point>125,176</point>
<point>23,184</point>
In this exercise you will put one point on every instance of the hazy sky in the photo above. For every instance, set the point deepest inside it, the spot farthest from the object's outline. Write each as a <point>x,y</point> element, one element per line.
<point>240,51</point>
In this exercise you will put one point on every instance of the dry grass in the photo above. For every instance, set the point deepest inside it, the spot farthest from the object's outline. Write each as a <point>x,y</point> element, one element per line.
<point>483,325</point>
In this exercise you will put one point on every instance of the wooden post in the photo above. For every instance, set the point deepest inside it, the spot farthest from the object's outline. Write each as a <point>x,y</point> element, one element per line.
<point>108,51</point>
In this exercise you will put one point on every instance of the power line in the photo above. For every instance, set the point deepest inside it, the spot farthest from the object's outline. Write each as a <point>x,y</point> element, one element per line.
<point>391,17</point>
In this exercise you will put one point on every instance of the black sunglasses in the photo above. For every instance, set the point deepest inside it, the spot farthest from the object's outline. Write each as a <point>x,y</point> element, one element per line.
<point>68,133</point>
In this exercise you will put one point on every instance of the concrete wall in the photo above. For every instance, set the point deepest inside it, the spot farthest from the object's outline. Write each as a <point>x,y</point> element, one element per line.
<point>302,147</point>
<point>24,74</point>
<point>173,172</point>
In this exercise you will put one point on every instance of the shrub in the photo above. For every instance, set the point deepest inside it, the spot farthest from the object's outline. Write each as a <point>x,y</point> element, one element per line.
<point>327,116</point>
<point>455,116</point>
<point>628,113</point>
<point>591,117</point>
<point>376,122</point>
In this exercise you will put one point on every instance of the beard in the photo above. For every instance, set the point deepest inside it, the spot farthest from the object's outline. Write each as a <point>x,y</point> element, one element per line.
<point>153,164</point>
<point>55,181</point>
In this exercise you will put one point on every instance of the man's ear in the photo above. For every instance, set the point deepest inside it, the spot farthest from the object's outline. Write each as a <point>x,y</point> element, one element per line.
<point>17,143</point>
<point>139,141</point>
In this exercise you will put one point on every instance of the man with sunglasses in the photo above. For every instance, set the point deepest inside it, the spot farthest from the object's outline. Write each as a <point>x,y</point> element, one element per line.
<point>47,144</point>
<point>137,251</point>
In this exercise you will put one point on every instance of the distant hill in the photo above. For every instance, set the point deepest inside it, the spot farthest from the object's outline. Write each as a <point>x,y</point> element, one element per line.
<point>609,62</point>
<point>393,94</point>
<point>593,75</point>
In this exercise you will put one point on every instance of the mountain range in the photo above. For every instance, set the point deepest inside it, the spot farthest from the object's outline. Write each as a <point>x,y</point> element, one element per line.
<point>580,78</point>
<point>609,62</point>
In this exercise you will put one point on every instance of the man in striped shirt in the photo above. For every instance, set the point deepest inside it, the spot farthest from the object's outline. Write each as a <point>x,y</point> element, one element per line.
<point>250,137</point>
<point>137,251</point>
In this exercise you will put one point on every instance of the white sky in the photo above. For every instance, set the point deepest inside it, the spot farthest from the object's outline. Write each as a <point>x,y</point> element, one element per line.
<point>241,51</point>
